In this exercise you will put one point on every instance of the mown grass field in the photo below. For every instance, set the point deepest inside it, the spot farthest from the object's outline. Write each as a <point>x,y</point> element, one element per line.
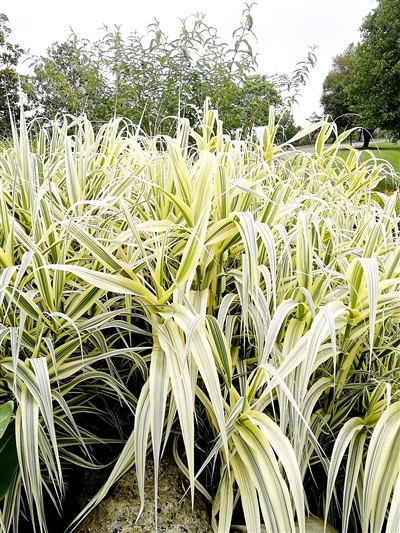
<point>385,152</point>
<point>389,152</point>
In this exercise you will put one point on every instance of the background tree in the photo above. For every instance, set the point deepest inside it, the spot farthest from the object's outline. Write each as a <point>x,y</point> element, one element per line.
<point>150,78</point>
<point>9,80</point>
<point>334,99</point>
<point>246,105</point>
<point>143,78</point>
<point>374,92</point>
<point>70,80</point>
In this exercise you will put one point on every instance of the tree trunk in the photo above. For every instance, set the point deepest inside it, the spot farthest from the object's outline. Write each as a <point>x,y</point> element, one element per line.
<point>367,136</point>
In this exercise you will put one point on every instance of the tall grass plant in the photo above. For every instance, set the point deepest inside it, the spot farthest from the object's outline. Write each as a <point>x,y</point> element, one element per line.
<point>238,299</point>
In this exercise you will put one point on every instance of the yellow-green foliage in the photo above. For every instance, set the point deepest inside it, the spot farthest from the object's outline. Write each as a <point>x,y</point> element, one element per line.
<point>253,287</point>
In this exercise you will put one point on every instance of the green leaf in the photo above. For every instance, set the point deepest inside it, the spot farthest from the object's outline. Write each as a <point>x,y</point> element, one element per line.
<point>348,434</point>
<point>5,416</point>
<point>225,494</point>
<point>248,493</point>
<point>381,468</point>
<point>8,458</point>
<point>109,282</point>
<point>263,472</point>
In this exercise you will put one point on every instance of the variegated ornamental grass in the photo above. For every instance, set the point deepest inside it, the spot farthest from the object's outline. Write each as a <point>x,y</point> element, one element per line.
<point>238,298</point>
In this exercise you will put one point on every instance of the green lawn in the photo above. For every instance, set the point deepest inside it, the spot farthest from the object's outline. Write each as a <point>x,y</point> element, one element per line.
<point>389,152</point>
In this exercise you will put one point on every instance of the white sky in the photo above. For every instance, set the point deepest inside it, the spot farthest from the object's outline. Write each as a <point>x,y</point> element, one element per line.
<point>284,28</point>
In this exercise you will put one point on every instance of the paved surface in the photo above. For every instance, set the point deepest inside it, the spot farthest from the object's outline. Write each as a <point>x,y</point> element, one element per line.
<point>311,149</point>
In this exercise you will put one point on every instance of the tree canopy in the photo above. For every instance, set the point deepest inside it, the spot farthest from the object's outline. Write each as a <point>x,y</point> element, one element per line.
<point>334,99</point>
<point>9,94</point>
<point>374,92</point>
<point>151,79</point>
<point>363,86</point>
<point>148,78</point>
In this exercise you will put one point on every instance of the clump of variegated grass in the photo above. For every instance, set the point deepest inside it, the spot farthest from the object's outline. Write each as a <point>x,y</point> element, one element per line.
<point>263,284</point>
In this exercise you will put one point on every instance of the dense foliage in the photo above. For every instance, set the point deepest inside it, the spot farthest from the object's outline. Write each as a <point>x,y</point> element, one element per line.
<point>235,297</point>
<point>150,78</point>
<point>334,99</point>
<point>9,96</point>
<point>363,87</point>
<point>374,92</point>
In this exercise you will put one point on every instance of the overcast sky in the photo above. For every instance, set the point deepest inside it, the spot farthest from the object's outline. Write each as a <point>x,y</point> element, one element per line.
<point>284,28</point>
